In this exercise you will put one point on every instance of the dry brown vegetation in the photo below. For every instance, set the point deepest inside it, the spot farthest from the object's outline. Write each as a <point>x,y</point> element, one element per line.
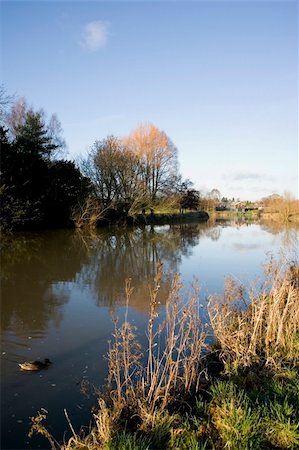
<point>142,382</point>
<point>265,328</point>
<point>149,389</point>
<point>281,208</point>
<point>88,213</point>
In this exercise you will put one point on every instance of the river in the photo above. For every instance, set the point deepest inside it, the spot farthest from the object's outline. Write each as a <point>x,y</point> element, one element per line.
<point>61,289</point>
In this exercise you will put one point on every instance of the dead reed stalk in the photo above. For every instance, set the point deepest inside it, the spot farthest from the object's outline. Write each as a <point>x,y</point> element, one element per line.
<point>267,329</point>
<point>142,385</point>
<point>143,382</point>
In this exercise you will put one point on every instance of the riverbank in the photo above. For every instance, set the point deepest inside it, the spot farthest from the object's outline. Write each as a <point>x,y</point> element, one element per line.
<point>184,393</point>
<point>249,215</point>
<point>277,217</point>
<point>265,214</point>
<point>170,218</point>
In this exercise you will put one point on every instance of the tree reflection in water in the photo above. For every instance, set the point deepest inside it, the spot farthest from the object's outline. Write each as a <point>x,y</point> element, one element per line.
<point>59,288</point>
<point>35,264</point>
<point>289,236</point>
<point>31,264</point>
<point>115,257</point>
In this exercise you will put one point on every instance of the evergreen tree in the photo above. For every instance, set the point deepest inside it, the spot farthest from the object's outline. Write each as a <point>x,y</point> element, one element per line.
<point>35,190</point>
<point>33,137</point>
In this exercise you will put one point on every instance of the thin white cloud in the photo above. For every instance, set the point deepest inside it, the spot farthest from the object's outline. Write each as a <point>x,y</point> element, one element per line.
<point>95,35</point>
<point>247,176</point>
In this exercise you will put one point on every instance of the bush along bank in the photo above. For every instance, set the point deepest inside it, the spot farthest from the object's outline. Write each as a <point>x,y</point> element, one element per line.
<point>182,393</point>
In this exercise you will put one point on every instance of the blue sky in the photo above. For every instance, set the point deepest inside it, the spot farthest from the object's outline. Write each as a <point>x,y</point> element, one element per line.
<point>220,78</point>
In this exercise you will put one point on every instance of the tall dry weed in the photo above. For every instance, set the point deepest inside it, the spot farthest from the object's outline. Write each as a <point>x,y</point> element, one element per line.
<point>143,382</point>
<point>267,329</point>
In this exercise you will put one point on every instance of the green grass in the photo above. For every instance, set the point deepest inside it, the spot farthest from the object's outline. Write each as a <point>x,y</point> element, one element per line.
<point>129,441</point>
<point>228,416</point>
<point>233,417</point>
<point>233,412</point>
<point>281,425</point>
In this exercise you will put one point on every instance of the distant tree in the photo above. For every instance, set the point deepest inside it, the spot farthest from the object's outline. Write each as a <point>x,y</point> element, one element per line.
<point>213,198</point>
<point>190,200</point>
<point>284,205</point>
<point>215,194</point>
<point>88,212</point>
<point>182,186</point>
<point>271,199</point>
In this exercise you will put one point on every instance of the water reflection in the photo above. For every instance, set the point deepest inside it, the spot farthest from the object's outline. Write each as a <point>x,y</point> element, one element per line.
<point>59,288</point>
<point>33,264</point>
<point>113,258</point>
<point>289,236</point>
<point>30,266</point>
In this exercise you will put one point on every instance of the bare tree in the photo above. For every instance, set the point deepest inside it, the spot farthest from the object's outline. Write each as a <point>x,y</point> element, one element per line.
<point>87,213</point>
<point>55,133</point>
<point>285,206</point>
<point>213,198</point>
<point>130,174</point>
<point>101,168</point>
<point>115,173</point>
<point>17,115</point>
<point>157,157</point>
<point>5,101</point>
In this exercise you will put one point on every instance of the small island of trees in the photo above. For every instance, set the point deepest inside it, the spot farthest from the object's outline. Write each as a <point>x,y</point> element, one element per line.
<point>119,178</point>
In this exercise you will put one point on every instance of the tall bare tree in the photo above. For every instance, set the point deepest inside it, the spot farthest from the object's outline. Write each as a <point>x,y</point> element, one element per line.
<point>5,102</point>
<point>115,172</point>
<point>157,157</point>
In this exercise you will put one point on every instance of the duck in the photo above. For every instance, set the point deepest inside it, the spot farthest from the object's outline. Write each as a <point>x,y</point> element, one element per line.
<point>35,365</point>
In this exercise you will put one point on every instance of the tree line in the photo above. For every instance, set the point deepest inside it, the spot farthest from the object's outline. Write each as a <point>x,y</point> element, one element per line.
<point>38,189</point>
<point>119,178</point>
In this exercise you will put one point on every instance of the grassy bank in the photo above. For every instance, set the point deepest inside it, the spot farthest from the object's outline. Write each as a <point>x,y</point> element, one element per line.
<point>180,392</point>
<point>171,218</point>
<point>249,215</point>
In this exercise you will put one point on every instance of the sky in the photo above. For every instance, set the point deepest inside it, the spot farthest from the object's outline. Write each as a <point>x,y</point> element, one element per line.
<point>220,78</point>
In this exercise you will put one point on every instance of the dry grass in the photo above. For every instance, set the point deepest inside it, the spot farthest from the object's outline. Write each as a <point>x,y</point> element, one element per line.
<point>171,365</point>
<point>38,428</point>
<point>141,385</point>
<point>145,387</point>
<point>266,330</point>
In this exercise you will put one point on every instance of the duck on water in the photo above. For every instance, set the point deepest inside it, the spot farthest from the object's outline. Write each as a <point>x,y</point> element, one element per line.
<point>35,365</point>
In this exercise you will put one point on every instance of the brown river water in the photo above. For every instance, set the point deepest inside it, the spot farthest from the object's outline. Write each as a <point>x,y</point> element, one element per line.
<point>61,289</point>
